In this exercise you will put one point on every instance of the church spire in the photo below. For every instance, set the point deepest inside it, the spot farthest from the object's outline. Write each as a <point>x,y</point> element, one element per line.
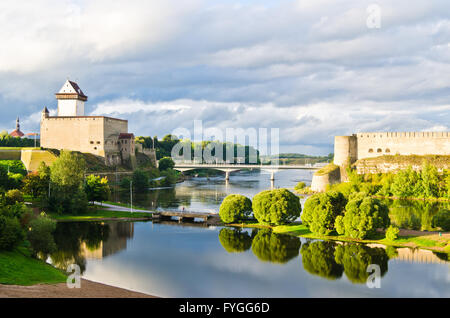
<point>17,123</point>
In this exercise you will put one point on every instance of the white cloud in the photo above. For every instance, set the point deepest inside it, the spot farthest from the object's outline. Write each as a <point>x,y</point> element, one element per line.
<point>312,68</point>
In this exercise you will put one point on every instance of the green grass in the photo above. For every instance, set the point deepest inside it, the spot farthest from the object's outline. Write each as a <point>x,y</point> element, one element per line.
<point>125,205</point>
<point>19,268</point>
<point>327,169</point>
<point>101,214</point>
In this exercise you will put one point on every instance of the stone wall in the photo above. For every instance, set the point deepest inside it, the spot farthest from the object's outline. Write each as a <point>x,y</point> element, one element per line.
<point>321,181</point>
<point>97,135</point>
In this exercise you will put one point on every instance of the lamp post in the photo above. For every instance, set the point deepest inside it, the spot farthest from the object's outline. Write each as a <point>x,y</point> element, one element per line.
<point>131,196</point>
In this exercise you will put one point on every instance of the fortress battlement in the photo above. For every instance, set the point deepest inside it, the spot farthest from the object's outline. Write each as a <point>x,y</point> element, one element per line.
<point>348,149</point>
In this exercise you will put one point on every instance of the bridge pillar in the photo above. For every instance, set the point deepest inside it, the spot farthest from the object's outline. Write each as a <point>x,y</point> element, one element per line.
<point>272,176</point>
<point>227,175</point>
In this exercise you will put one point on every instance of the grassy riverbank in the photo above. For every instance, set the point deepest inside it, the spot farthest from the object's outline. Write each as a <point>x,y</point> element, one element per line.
<point>413,239</point>
<point>17,267</point>
<point>100,215</point>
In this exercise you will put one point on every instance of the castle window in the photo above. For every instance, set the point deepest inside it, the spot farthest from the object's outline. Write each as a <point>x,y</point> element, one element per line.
<point>95,148</point>
<point>370,150</point>
<point>98,142</point>
<point>379,150</point>
<point>388,150</point>
<point>92,142</point>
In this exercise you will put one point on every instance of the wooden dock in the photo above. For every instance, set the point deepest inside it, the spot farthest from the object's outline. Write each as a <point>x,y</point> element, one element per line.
<point>183,216</point>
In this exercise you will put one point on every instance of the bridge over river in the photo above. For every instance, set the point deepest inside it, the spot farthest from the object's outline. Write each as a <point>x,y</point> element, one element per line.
<point>228,168</point>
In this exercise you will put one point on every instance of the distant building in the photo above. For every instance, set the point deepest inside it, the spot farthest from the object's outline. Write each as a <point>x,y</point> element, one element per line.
<point>102,136</point>
<point>16,132</point>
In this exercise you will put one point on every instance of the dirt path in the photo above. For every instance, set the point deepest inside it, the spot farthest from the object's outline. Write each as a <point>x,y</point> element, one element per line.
<point>88,289</point>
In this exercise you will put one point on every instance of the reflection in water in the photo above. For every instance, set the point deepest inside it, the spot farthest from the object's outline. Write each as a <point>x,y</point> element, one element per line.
<point>414,214</point>
<point>355,258</point>
<point>78,241</point>
<point>275,248</point>
<point>318,259</point>
<point>235,240</point>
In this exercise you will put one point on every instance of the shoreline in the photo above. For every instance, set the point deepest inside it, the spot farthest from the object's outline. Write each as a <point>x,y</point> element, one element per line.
<point>89,289</point>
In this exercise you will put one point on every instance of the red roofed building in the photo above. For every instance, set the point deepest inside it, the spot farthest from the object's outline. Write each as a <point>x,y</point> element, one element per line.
<point>16,132</point>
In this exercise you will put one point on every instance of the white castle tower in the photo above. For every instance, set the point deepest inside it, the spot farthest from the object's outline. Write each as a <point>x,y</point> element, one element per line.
<point>70,100</point>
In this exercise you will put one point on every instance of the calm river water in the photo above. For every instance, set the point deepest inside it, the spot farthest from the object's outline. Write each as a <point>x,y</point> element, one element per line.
<point>171,260</point>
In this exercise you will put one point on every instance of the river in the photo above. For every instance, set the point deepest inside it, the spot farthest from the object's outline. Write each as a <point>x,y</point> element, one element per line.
<point>172,260</point>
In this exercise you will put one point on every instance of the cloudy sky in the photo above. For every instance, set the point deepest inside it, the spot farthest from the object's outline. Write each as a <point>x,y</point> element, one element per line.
<point>312,68</point>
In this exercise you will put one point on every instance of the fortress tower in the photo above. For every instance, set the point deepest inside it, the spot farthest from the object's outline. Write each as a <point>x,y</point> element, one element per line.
<point>71,100</point>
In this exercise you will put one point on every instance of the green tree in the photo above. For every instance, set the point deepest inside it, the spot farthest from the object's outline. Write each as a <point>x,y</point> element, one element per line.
<point>68,171</point>
<point>321,210</point>
<point>275,248</point>
<point>318,259</point>
<point>363,215</point>
<point>97,188</point>
<point>277,206</point>
<point>165,163</point>
<point>140,181</point>
<point>235,207</point>
<point>67,179</point>
<point>11,233</point>
<point>235,240</point>
<point>404,183</point>
<point>430,180</point>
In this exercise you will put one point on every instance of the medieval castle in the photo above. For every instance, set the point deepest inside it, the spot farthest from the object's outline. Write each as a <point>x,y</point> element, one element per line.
<point>350,149</point>
<point>102,136</point>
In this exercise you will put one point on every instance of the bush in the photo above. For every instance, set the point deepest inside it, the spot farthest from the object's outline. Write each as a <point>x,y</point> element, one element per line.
<point>276,206</point>
<point>392,233</point>
<point>11,233</point>
<point>165,163</point>
<point>363,215</point>
<point>442,220</point>
<point>321,210</point>
<point>13,197</point>
<point>235,207</point>
<point>300,185</point>
<point>40,235</point>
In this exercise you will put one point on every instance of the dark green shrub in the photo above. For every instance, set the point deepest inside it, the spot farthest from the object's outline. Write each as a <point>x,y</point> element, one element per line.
<point>235,207</point>
<point>11,233</point>
<point>300,185</point>
<point>363,215</point>
<point>165,163</point>
<point>442,220</point>
<point>40,235</point>
<point>276,206</point>
<point>321,210</point>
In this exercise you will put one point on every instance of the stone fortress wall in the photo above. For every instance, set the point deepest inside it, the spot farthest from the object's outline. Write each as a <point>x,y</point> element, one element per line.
<point>90,134</point>
<point>369,145</point>
<point>350,149</point>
